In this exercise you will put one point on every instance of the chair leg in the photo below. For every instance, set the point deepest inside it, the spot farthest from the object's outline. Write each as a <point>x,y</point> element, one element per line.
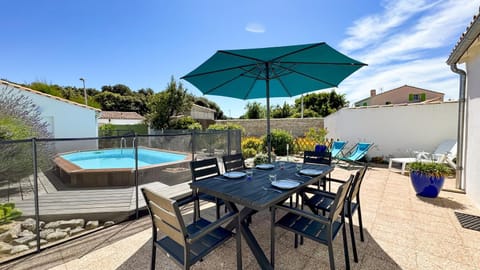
<point>330,255</point>
<point>345,247</point>
<point>272,238</point>
<point>217,210</point>
<point>239,243</point>
<point>154,255</point>
<point>360,223</point>
<point>352,235</point>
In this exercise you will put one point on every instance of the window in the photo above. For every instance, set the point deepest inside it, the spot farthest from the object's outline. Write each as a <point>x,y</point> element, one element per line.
<point>416,97</point>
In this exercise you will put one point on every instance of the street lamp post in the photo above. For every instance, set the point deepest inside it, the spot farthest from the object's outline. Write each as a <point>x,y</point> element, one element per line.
<point>84,91</point>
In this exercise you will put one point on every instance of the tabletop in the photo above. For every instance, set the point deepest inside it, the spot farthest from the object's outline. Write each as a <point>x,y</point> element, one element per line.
<point>252,193</point>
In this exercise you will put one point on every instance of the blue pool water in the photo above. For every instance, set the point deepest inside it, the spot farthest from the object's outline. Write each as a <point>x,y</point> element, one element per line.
<point>120,158</point>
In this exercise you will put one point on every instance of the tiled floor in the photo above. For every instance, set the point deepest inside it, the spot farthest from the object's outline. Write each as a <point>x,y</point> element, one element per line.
<point>402,231</point>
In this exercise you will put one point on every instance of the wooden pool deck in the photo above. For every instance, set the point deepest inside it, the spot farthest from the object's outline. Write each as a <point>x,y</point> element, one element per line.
<point>104,204</point>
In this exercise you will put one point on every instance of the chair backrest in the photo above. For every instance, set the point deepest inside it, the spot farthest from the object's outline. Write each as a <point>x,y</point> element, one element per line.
<point>447,147</point>
<point>357,182</point>
<point>360,151</point>
<point>166,216</point>
<point>317,157</point>
<point>202,169</point>
<point>337,147</point>
<point>339,202</point>
<point>233,162</point>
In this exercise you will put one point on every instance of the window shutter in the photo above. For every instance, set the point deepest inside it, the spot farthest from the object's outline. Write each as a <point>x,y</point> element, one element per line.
<point>423,97</point>
<point>410,97</point>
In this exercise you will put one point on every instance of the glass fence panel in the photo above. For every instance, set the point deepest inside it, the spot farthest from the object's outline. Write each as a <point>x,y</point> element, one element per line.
<point>16,199</point>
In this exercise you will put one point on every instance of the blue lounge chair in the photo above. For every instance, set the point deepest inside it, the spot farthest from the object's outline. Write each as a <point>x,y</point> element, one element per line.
<point>357,152</point>
<point>337,148</point>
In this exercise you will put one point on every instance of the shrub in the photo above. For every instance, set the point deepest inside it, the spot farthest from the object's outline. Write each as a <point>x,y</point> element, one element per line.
<point>303,144</point>
<point>8,212</point>
<point>248,152</point>
<point>252,143</point>
<point>280,139</point>
<point>226,127</point>
<point>431,168</point>
<point>183,123</point>
<point>195,126</point>
<point>316,135</point>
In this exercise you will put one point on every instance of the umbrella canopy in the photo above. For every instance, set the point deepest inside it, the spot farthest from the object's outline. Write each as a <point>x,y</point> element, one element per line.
<point>272,72</point>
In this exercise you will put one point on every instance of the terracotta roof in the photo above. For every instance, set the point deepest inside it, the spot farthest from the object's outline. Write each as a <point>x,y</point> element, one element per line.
<point>23,88</point>
<point>120,115</point>
<point>465,41</point>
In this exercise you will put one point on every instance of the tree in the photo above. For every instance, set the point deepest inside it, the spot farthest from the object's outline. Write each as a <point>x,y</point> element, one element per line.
<point>173,101</point>
<point>282,112</point>
<point>255,110</point>
<point>322,103</point>
<point>118,89</point>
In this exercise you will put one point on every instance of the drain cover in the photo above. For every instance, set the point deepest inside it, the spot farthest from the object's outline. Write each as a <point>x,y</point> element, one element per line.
<point>468,221</point>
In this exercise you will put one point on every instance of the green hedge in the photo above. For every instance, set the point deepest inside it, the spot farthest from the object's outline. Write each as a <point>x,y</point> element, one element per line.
<point>119,130</point>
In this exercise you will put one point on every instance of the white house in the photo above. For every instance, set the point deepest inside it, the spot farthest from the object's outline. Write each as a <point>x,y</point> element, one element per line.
<point>120,118</point>
<point>66,119</point>
<point>467,51</point>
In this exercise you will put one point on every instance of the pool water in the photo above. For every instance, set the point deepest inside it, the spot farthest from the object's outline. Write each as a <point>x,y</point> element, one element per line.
<point>120,158</point>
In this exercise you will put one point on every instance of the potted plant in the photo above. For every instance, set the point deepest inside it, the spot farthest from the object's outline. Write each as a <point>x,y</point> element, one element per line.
<point>428,177</point>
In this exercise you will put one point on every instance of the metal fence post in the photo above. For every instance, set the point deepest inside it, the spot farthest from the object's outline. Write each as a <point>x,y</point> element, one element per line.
<point>229,149</point>
<point>135,144</point>
<point>35,192</point>
<point>193,144</point>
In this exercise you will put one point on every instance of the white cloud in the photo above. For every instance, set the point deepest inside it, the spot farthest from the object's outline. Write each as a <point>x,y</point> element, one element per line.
<point>409,44</point>
<point>255,28</point>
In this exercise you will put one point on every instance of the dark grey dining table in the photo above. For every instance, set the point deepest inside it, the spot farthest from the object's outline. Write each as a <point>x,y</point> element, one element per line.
<point>256,195</point>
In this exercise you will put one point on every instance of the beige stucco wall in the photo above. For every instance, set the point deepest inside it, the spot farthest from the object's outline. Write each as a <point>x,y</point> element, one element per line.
<point>401,95</point>
<point>396,130</point>
<point>472,144</point>
<point>258,127</point>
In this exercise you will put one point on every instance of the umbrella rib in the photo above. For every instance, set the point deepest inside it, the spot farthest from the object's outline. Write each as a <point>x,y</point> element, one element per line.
<point>325,63</point>
<point>311,77</point>
<point>299,50</point>
<point>283,85</point>
<point>226,82</point>
<point>249,90</point>
<point>218,70</point>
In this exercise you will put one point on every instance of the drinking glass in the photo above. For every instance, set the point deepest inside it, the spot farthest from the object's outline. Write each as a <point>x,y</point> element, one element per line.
<point>249,174</point>
<point>299,167</point>
<point>272,177</point>
<point>282,165</point>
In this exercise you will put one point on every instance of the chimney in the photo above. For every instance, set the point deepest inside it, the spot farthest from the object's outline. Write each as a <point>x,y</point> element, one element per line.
<point>373,92</point>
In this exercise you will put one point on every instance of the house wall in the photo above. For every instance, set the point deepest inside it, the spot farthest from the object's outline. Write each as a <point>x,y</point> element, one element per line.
<point>66,121</point>
<point>396,130</point>
<point>258,127</point>
<point>401,95</point>
<point>472,144</point>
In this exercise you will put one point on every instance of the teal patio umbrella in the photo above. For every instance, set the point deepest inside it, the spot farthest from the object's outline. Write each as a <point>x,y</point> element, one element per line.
<point>272,72</point>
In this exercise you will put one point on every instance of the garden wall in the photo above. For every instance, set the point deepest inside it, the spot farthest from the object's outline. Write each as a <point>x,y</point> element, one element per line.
<point>396,130</point>
<point>258,127</point>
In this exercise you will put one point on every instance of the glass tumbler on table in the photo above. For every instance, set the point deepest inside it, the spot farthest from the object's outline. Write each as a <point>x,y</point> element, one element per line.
<point>272,177</point>
<point>249,174</point>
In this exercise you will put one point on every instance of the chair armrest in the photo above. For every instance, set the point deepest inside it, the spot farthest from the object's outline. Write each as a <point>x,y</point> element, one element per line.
<point>303,214</point>
<point>184,200</point>
<point>212,226</point>
<point>336,180</point>
<point>319,192</point>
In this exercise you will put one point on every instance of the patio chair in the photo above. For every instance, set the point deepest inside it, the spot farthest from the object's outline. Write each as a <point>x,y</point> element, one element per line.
<point>318,158</point>
<point>317,228</point>
<point>446,152</point>
<point>202,169</point>
<point>357,152</point>
<point>233,162</point>
<point>185,245</point>
<point>337,148</point>
<point>323,201</point>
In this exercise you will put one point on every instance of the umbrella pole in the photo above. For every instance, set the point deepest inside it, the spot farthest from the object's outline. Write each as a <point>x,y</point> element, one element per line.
<point>269,137</point>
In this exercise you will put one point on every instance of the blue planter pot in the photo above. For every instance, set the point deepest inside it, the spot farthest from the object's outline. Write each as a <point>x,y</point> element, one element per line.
<point>425,185</point>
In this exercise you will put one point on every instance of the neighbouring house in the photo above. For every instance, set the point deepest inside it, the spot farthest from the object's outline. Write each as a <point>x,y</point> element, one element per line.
<point>205,116</point>
<point>400,95</point>
<point>65,118</point>
<point>467,52</point>
<point>120,118</point>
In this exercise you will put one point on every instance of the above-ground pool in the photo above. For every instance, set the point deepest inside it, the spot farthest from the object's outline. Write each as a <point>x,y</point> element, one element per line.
<point>116,167</point>
<point>120,158</point>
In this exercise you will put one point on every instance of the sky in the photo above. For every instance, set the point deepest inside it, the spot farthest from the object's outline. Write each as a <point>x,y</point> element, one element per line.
<point>143,43</point>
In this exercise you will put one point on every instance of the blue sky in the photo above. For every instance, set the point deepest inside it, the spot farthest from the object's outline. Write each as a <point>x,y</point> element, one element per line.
<point>143,43</point>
